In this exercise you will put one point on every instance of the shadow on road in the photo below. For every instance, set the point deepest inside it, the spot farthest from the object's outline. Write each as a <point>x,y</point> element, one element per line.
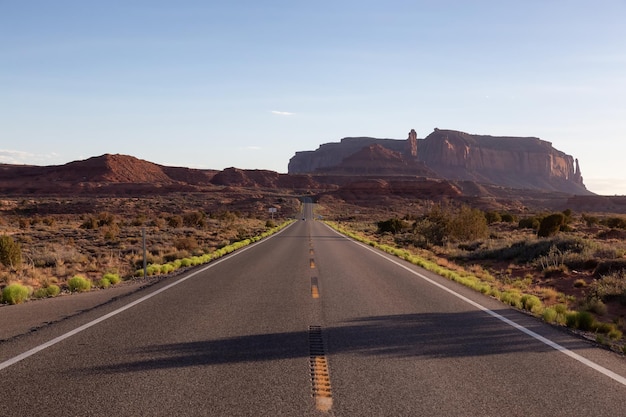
<point>400,336</point>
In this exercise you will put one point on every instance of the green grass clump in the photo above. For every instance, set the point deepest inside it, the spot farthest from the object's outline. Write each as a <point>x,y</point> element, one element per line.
<point>531,303</point>
<point>79,283</point>
<point>549,315</point>
<point>586,321</point>
<point>104,283</point>
<point>511,298</point>
<point>51,290</point>
<point>15,294</point>
<point>615,334</point>
<point>114,279</point>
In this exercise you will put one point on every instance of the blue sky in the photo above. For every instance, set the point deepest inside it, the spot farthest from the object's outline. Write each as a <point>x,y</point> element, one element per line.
<point>210,84</point>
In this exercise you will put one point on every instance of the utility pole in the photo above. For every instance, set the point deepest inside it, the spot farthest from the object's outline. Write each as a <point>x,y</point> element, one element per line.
<point>145,262</point>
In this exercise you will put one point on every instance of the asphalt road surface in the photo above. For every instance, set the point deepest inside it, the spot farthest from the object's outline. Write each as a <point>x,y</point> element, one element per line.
<point>307,323</point>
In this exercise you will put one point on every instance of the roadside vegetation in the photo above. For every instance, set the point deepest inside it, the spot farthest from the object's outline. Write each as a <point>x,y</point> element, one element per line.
<point>60,246</point>
<point>568,269</point>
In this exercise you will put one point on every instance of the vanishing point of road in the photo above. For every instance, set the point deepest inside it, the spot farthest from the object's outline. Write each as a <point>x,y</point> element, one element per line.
<point>307,323</point>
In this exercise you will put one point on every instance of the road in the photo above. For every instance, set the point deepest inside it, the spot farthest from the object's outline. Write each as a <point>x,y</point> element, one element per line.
<point>307,323</point>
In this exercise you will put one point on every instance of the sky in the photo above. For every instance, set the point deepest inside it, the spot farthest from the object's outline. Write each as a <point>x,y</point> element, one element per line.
<point>247,84</point>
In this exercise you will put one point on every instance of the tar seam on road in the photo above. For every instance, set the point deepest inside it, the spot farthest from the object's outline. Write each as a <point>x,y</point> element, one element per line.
<point>320,377</point>
<point>607,372</point>
<point>79,329</point>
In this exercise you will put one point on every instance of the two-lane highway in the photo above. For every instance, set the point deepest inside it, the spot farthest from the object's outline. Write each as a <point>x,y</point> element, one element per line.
<point>307,323</point>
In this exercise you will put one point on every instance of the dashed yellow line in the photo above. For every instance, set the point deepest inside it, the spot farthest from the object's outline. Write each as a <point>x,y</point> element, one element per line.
<point>315,292</point>
<point>312,263</point>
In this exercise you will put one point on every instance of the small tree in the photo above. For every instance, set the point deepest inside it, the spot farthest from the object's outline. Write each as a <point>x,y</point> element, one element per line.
<point>551,224</point>
<point>468,224</point>
<point>394,226</point>
<point>10,252</point>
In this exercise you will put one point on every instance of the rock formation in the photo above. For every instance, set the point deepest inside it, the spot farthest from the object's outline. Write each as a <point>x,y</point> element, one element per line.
<point>516,162</point>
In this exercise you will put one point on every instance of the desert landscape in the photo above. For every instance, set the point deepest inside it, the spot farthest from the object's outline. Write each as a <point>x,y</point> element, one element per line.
<point>511,213</point>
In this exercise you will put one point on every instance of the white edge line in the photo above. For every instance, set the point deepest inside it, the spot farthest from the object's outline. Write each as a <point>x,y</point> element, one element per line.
<point>546,341</point>
<point>85,326</point>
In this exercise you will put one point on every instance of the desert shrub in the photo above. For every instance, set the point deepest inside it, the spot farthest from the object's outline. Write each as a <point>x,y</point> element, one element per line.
<point>609,287</point>
<point>188,243</point>
<point>553,252</point>
<point>79,283</point>
<point>492,217</point>
<point>511,298</point>
<point>468,224</point>
<point>195,219</point>
<point>590,220</point>
<point>270,224</point>
<point>15,293</point>
<point>104,283</point>
<point>571,319</point>
<point>580,283</point>
<point>551,224</point>
<point>507,217</point>
<point>615,334</point>
<point>40,293</point>
<point>394,226</point>
<point>175,221</point>
<point>595,305</point>
<point>185,262</point>
<point>172,256</point>
<point>106,219</point>
<point>89,223</point>
<point>139,220</point>
<point>444,223</point>
<point>10,252</point>
<point>549,315</point>
<point>529,223</point>
<point>531,303</point>
<point>110,231</point>
<point>585,321</point>
<point>614,222</point>
<point>615,266</point>
<point>53,290</point>
<point>112,277</point>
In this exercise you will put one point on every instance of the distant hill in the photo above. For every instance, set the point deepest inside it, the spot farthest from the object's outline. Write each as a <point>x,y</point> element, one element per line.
<point>106,173</point>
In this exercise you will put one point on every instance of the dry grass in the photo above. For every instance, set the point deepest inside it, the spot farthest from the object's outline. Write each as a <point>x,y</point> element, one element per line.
<point>61,238</point>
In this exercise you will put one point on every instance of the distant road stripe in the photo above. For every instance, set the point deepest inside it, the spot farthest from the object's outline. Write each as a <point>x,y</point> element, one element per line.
<point>546,341</point>
<point>77,330</point>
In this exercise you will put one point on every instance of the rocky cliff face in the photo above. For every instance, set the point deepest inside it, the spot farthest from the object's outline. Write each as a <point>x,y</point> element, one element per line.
<point>510,161</point>
<point>517,162</point>
<point>331,155</point>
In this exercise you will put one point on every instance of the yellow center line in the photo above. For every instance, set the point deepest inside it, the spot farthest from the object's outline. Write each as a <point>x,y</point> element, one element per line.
<point>315,292</point>
<point>320,377</point>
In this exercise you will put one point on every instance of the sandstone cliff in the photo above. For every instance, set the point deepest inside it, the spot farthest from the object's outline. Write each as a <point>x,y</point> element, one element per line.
<point>377,160</point>
<point>517,162</point>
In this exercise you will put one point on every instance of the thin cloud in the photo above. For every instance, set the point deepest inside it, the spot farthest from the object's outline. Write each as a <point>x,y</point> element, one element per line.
<point>282,113</point>
<point>13,157</point>
<point>250,148</point>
